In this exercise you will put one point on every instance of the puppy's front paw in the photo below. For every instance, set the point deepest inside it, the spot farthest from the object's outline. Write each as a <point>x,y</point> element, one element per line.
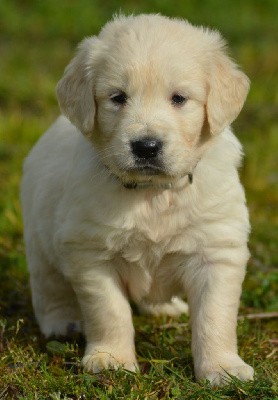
<point>220,375</point>
<point>102,358</point>
<point>221,378</point>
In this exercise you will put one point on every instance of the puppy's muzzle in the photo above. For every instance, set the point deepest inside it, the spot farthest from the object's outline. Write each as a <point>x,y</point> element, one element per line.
<point>147,155</point>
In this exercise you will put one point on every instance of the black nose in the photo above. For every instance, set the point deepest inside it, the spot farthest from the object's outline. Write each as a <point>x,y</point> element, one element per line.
<point>146,147</point>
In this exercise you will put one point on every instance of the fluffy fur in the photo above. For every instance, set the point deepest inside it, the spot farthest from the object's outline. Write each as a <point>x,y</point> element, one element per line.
<point>92,243</point>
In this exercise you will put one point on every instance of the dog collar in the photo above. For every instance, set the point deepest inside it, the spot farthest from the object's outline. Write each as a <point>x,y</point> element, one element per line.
<point>151,185</point>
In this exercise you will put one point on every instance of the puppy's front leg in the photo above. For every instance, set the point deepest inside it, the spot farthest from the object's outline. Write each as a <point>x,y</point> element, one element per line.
<point>213,297</point>
<point>107,318</point>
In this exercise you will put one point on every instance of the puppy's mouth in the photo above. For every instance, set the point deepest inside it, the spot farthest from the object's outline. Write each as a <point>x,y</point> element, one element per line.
<point>144,175</point>
<point>146,170</point>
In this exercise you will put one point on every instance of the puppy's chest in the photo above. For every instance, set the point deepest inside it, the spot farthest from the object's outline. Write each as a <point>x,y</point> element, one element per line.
<point>151,232</point>
<point>149,249</point>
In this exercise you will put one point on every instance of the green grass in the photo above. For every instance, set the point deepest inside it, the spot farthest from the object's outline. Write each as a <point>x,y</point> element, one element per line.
<point>37,39</point>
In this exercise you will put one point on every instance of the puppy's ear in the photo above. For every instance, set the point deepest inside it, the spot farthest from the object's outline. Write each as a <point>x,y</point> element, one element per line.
<point>228,88</point>
<point>75,91</point>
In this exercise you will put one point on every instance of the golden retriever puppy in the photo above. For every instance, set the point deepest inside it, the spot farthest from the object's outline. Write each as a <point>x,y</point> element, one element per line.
<point>134,194</point>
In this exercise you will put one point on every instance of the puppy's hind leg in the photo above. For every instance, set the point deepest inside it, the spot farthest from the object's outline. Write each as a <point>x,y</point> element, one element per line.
<point>54,300</point>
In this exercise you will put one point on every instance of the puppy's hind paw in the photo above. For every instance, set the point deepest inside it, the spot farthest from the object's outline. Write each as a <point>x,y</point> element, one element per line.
<point>58,328</point>
<point>173,308</point>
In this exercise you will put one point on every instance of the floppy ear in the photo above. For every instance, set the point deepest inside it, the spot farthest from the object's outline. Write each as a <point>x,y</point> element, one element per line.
<point>75,89</point>
<point>228,88</point>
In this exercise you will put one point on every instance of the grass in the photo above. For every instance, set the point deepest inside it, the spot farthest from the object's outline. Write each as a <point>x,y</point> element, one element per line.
<point>37,39</point>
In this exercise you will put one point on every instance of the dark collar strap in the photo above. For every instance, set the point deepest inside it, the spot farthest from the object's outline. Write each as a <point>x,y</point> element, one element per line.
<point>149,184</point>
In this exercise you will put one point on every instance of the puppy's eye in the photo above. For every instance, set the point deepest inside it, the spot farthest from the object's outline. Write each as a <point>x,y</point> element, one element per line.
<point>178,99</point>
<point>119,98</point>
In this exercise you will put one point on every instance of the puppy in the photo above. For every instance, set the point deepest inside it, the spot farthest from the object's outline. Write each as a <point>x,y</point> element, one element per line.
<point>134,194</point>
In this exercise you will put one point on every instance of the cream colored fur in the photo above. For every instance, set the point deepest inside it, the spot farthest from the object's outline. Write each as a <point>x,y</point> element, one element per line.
<point>92,244</point>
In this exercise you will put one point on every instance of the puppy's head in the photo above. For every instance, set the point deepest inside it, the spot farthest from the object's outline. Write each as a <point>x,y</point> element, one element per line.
<point>151,92</point>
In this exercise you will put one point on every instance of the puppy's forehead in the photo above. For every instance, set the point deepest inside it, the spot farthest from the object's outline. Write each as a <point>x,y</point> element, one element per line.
<point>152,34</point>
<point>152,49</point>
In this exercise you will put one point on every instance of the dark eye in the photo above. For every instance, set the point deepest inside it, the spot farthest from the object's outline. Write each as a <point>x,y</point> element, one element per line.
<point>120,98</point>
<point>178,99</point>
